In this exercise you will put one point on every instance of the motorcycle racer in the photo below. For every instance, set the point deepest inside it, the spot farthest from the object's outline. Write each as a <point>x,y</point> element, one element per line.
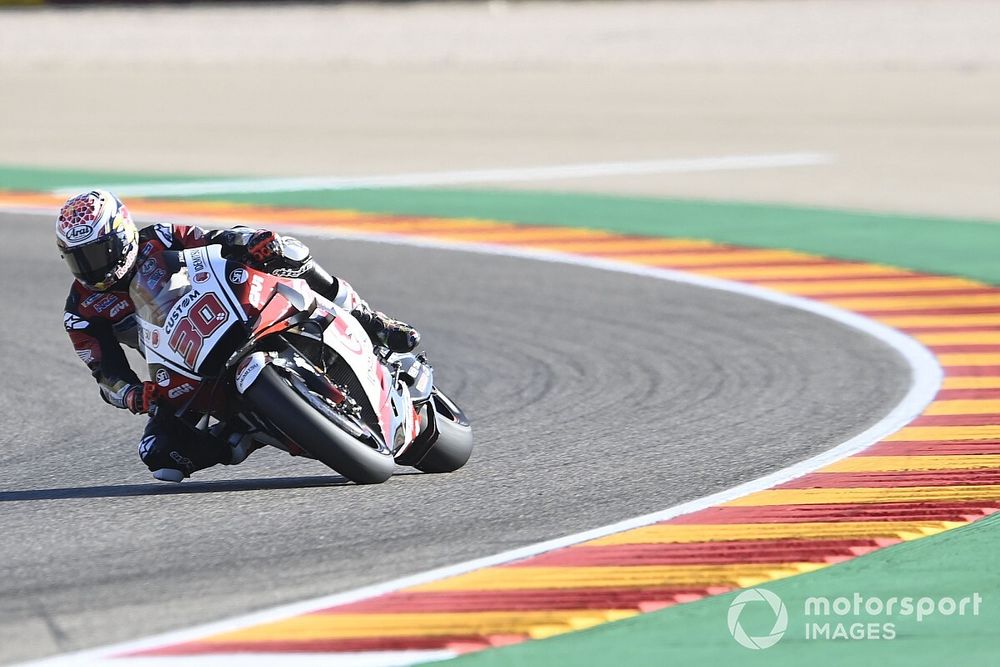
<point>103,248</point>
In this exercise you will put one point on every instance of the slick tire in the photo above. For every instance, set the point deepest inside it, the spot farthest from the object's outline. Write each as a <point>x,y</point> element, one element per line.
<point>453,446</point>
<point>291,413</point>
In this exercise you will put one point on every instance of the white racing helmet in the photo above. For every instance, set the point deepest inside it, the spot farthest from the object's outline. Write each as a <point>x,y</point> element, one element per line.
<point>97,238</point>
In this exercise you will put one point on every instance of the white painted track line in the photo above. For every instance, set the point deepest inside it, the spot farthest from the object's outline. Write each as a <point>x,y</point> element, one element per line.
<point>512,174</point>
<point>366,659</point>
<point>926,376</point>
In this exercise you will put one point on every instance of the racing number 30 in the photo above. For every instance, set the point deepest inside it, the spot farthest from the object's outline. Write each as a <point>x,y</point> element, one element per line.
<point>207,314</point>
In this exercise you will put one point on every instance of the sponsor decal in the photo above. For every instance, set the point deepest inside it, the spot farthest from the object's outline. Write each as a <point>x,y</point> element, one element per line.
<point>181,306</point>
<point>172,320</point>
<point>154,339</point>
<point>163,377</point>
<point>146,249</point>
<point>248,370</point>
<point>201,277</point>
<point>243,365</point>
<point>147,267</point>
<point>198,260</point>
<point>92,298</point>
<point>79,233</point>
<point>256,287</point>
<point>86,356</point>
<point>122,305</point>
<point>185,388</point>
<point>103,304</point>
<point>238,276</point>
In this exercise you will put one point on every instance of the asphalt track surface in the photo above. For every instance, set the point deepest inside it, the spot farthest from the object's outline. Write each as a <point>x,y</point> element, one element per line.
<point>595,396</point>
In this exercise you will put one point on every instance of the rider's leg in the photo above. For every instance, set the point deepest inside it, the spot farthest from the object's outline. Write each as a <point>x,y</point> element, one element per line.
<point>289,257</point>
<point>383,330</point>
<point>172,451</point>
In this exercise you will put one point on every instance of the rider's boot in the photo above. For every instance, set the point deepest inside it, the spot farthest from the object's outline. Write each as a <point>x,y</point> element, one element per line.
<point>172,452</point>
<point>382,329</point>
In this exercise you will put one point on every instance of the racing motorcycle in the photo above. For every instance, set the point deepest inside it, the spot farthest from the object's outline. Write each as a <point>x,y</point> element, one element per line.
<point>234,348</point>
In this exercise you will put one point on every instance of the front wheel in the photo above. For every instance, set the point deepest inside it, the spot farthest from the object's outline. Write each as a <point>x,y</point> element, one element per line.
<point>453,446</point>
<point>293,414</point>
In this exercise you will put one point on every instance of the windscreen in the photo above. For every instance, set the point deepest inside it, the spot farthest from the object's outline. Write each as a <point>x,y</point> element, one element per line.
<point>158,284</point>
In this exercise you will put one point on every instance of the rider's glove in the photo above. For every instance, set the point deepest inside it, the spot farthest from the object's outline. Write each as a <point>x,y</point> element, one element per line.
<point>141,398</point>
<point>282,256</point>
<point>263,246</point>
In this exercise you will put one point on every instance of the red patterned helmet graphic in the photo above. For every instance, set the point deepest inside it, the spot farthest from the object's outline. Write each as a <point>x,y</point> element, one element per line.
<point>83,217</point>
<point>97,238</point>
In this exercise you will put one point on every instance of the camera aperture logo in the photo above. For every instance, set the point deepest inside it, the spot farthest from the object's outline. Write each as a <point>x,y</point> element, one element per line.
<point>850,618</point>
<point>757,596</point>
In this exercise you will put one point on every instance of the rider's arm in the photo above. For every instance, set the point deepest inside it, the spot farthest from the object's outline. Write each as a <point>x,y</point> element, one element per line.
<point>347,298</point>
<point>281,255</point>
<point>96,345</point>
<point>288,257</point>
<point>184,237</point>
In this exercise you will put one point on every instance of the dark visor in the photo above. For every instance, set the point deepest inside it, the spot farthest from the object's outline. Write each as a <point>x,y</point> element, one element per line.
<point>92,263</point>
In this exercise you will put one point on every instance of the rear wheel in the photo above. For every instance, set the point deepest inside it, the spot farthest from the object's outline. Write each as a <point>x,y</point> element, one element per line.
<point>288,405</point>
<point>453,446</point>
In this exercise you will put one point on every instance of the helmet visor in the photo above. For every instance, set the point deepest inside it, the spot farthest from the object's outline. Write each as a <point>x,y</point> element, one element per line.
<point>94,262</point>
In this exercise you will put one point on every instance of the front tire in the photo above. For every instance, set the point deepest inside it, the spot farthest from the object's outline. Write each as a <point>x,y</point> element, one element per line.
<point>272,397</point>
<point>453,446</point>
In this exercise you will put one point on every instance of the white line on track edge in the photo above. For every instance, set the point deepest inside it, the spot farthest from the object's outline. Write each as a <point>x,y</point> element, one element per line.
<point>464,177</point>
<point>926,377</point>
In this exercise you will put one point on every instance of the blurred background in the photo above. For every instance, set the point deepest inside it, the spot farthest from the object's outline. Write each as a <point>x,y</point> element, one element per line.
<point>902,96</point>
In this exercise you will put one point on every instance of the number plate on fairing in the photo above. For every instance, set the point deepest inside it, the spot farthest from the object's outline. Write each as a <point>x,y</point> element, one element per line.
<point>184,315</point>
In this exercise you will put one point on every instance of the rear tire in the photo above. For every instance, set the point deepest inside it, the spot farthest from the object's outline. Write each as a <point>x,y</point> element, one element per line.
<point>273,398</point>
<point>453,447</point>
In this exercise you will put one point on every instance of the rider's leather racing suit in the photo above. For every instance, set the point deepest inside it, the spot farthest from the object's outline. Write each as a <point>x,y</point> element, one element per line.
<point>99,323</point>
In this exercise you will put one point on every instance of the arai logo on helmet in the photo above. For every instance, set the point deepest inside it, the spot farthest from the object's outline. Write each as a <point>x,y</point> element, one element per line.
<point>79,233</point>
<point>238,276</point>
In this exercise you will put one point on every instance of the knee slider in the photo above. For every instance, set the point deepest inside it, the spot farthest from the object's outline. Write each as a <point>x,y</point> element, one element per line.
<point>156,453</point>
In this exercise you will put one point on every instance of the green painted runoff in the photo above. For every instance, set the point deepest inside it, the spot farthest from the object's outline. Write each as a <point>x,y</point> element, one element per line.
<point>948,246</point>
